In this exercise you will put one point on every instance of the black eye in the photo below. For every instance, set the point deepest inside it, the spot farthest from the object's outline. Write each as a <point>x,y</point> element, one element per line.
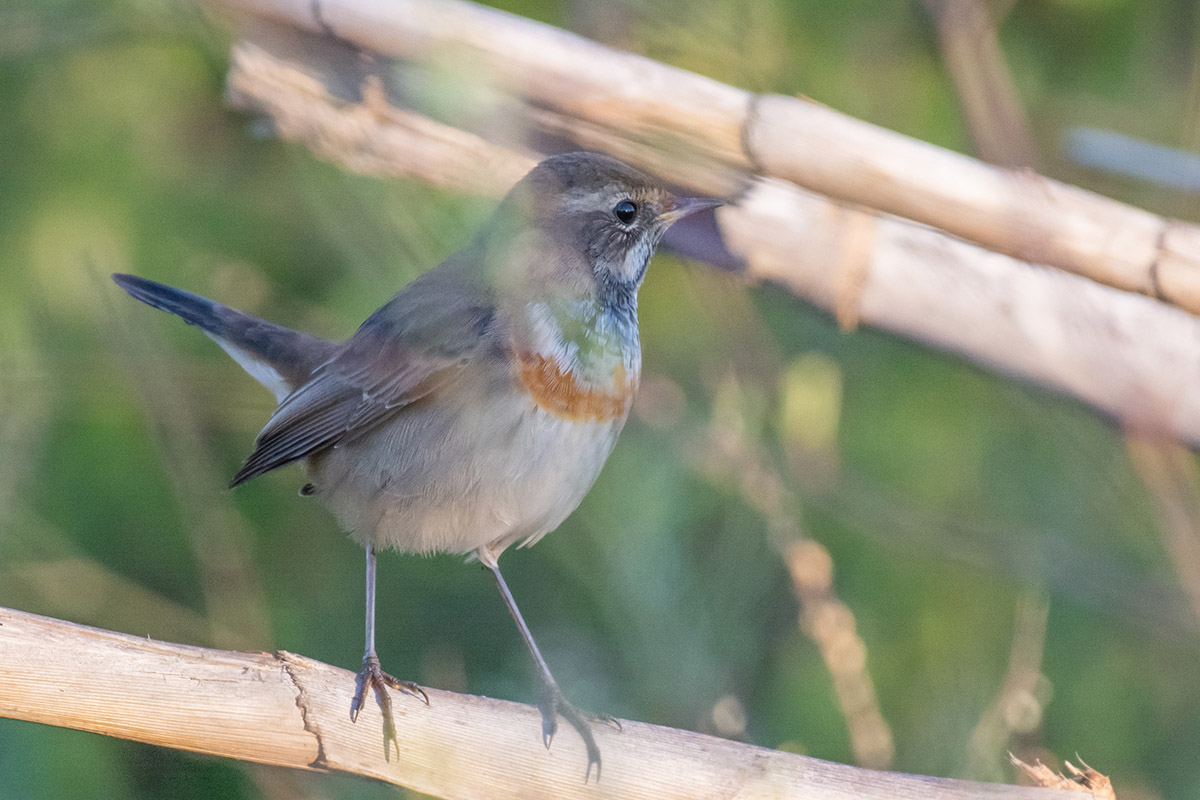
<point>625,211</point>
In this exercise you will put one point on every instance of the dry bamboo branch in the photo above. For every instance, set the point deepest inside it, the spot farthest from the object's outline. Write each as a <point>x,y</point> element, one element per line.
<point>287,710</point>
<point>695,126</point>
<point>1132,357</point>
<point>1018,213</point>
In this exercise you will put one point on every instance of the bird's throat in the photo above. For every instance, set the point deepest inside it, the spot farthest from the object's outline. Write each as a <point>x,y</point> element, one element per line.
<point>581,361</point>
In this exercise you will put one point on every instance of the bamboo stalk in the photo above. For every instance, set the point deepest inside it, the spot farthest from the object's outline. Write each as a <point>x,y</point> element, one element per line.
<point>694,124</point>
<point>287,710</point>
<point>1130,356</point>
<point>546,66</point>
<point>1018,213</point>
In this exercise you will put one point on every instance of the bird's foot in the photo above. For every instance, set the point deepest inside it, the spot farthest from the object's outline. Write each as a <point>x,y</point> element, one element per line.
<point>554,705</point>
<point>372,676</point>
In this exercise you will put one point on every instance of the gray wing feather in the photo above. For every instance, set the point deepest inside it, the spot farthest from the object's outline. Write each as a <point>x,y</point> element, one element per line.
<point>404,351</point>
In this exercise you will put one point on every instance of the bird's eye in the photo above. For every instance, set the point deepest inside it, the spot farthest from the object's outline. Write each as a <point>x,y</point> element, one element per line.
<point>625,211</point>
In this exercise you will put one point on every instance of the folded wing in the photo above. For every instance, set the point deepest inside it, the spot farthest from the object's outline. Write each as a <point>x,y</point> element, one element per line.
<point>404,351</point>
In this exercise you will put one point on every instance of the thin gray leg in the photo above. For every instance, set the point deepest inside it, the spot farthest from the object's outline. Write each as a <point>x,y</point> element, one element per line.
<point>552,703</point>
<point>372,674</point>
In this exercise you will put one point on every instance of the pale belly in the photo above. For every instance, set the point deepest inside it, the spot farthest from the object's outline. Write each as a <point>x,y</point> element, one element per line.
<point>464,475</point>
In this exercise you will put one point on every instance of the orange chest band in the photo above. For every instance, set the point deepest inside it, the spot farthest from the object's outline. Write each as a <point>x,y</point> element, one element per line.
<point>556,391</point>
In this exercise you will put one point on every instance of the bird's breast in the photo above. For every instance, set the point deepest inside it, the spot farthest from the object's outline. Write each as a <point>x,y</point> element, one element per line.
<point>576,359</point>
<point>566,393</point>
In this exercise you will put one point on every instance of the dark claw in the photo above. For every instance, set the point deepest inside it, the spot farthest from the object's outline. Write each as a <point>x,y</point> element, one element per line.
<point>555,705</point>
<point>372,675</point>
<point>549,728</point>
<point>609,720</point>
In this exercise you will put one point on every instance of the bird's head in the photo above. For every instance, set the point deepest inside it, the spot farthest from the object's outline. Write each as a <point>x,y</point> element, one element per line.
<point>586,221</point>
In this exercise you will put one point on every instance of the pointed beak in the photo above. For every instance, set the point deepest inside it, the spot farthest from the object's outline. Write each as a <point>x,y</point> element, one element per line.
<point>685,206</point>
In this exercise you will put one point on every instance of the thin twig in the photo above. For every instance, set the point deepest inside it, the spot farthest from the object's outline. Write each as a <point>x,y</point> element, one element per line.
<point>1023,693</point>
<point>1169,472</point>
<point>986,92</point>
<point>730,455</point>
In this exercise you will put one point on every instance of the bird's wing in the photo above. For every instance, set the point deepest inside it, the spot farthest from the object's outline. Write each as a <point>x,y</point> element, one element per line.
<point>404,351</point>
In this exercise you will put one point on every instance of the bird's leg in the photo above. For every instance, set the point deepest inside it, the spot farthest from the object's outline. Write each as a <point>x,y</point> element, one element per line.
<point>552,703</point>
<point>372,675</point>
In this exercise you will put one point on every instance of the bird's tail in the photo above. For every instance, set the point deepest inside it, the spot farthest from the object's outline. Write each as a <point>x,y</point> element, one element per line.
<point>277,357</point>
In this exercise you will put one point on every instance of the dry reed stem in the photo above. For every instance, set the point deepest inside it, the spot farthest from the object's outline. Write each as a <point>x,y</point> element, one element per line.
<point>967,33</point>
<point>1169,473</point>
<point>286,710</point>
<point>1081,780</point>
<point>1024,692</point>
<point>730,456</point>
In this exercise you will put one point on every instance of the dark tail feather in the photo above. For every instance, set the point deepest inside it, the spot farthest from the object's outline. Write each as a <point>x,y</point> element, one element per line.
<point>191,308</point>
<point>291,354</point>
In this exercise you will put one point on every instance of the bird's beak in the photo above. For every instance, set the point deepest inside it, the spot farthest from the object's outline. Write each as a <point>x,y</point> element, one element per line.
<point>685,206</point>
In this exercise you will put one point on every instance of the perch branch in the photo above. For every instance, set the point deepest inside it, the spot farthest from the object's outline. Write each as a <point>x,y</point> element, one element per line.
<point>287,710</point>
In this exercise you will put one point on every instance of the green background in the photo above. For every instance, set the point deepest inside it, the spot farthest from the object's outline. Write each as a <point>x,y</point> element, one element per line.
<point>947,496</point>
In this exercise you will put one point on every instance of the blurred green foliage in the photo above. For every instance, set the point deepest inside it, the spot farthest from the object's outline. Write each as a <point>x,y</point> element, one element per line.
<point>946,495</point>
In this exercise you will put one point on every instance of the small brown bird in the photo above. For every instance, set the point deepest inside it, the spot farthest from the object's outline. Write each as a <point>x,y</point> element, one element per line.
<point>475,409</point>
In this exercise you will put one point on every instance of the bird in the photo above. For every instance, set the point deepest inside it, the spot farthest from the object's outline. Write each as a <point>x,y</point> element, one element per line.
<point>474,410</point>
